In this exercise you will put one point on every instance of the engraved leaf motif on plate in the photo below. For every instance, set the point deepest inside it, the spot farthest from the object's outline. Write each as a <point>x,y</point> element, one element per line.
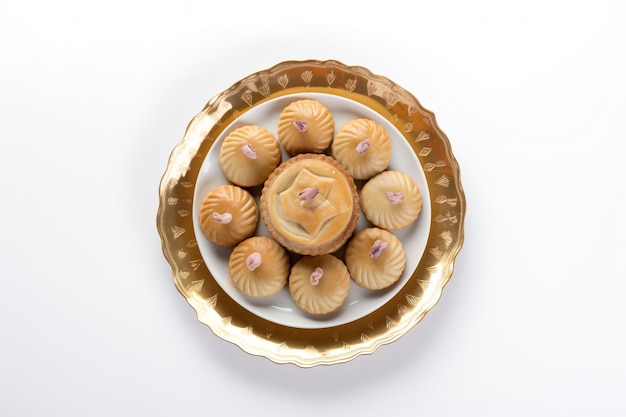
<point>371,88</point>
<point>177,231</point>
<point>307,76</point>
<point>283,80</point>
<point>265,89</point>
<point>412,299</point>
<point>247,97</point>
<point>391,99</point>
<point>444,181</point>
<point>422,135</point>
<point>196,286</point>
<point>425,151</point>
<point>447,217</point>
<point>402,310</point>
<point>447,237</point>
<point>330,77</point>
<point>351,84</point>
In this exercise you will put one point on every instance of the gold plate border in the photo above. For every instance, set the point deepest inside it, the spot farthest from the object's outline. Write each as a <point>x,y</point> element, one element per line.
<point>330,345</point>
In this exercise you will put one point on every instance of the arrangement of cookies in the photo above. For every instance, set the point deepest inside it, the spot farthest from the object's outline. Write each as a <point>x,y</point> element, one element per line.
<point>310,205</point>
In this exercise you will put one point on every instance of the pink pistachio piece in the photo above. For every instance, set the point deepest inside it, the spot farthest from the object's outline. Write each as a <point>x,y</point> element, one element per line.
<point>363,146</point>
<point>308,193</point>
<point>248,151</point>
<point>223,218</point>
<point>378,248</point>
<point>395,198</point>
<point>300,125</point>
<point>253,261</point>
<point>316,276</point>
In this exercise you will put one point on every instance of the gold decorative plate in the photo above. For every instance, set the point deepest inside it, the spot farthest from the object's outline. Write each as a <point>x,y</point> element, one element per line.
<point>274,327</point>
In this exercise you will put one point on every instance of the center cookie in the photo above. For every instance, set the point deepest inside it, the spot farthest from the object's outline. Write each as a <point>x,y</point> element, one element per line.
<point>310,204</point>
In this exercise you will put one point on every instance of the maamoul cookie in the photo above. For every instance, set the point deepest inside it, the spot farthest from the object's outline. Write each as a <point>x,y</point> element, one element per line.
<point>259,266</point>
<point>228,215</point>
<point>305,126</point>
<point>375,258</point>
<point>319,284</point>
<point>248,155</point>
<point>310,204</point>
<point>391,200</point>
<point>363,147</point>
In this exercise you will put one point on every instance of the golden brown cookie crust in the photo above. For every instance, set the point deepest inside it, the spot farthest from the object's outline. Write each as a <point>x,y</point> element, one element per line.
<point>305,126</point>
<point>259,266</point>
<point>375,258</point>
<point>248,155</point>
<point>310,204</point>
<point>228,214</point>
<point>363,147</point>
<point>319,284</point>
<point>391,200</point>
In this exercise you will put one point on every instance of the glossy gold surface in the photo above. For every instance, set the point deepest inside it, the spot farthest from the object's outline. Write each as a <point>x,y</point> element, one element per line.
<point>328,345</point>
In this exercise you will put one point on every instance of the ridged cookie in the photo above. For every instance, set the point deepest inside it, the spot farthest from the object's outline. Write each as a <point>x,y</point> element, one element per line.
<point>305,126</point>
<point>228,215</point>
<point>248,155</point>
<point>259,266</point>
<point>319,284</point>
<point>363,147</point>
<point>391,200</point>
<point>375,258</point>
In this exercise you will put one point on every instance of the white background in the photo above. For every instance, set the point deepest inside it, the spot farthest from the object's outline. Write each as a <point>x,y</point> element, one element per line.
<point>95,95</point>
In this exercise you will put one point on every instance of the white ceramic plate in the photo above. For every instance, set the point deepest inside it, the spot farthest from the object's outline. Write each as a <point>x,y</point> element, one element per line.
<point>280,308</point>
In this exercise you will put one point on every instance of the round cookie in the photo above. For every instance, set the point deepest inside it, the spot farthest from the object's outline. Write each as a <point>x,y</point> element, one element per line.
<point>305,126</point>
<point>228,215</point>
<point>363,147</point>
<point>391,200</point>
<point>248,155</point>
<point>259,266</point>
<point>375,258</point>
<point>319,284</point>
<point>310,204</point>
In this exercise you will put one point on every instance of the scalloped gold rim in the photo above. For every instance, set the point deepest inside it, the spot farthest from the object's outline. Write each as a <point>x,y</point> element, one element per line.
<point>336,344</point>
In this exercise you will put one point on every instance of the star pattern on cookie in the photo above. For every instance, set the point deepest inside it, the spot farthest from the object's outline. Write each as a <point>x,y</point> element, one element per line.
<point>310,214</point>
